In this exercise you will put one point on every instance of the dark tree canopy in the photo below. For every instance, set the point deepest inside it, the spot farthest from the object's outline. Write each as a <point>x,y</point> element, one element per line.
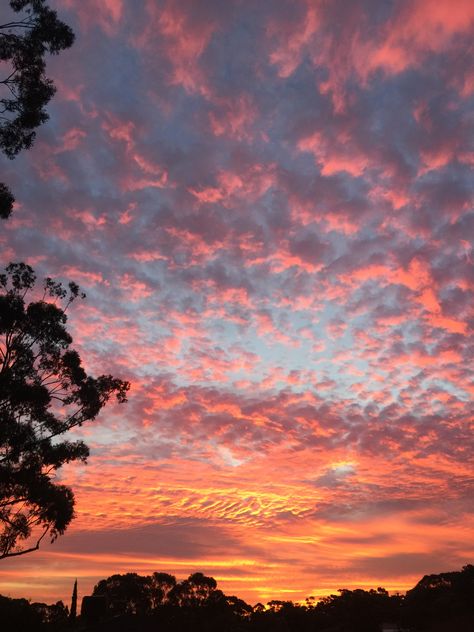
<point>197,590</point>
<point>24,42</point>
<point>33,31</point>
<point>136,594</point>
<point>21,614</point>
<point>126,594</point>
<point>44,392</point>
<point>6,201</point>
<point>157,602</point>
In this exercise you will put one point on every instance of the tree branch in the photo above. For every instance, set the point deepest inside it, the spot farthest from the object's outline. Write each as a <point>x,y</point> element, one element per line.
<point>30,550</point>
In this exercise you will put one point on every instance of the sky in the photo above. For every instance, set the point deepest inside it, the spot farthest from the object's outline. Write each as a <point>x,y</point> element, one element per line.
<point>269,207</point>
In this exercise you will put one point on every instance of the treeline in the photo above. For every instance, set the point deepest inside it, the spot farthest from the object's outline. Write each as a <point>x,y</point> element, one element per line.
<point>135,603</point>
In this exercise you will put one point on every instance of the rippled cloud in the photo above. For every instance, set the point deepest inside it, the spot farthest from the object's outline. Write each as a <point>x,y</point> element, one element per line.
<point>270,210</point>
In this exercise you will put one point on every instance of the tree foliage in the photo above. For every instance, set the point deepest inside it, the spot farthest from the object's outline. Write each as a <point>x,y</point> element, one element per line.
<point>446,598</point>
<point>6,201</point>
<point>126,594</point>
<point>135,603</point>
<point>25,90</point>
<point>21,614</point>
<point>136,594</point>
<point>197,590</point>
<point>24,42</point>
<point>44,393</point>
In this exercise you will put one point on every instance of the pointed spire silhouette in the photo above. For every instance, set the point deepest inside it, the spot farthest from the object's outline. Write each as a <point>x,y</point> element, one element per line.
<point>73,612</point>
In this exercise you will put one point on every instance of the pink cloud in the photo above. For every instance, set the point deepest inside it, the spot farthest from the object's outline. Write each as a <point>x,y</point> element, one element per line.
<point>291,39</point>
<point>107,15</point>
<point>270,217</point>
<point>185,41</point>
<point>233,118</point>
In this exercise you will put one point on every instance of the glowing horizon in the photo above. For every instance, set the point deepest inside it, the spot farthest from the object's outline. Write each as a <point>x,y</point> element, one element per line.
<point>270,210</point>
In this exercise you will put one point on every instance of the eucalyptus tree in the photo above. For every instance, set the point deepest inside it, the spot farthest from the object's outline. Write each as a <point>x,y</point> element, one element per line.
<point>32,31</point>
<point>44,393</point>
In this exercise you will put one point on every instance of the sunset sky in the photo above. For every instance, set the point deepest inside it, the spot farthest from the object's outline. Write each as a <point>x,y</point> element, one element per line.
<point>269,206</point>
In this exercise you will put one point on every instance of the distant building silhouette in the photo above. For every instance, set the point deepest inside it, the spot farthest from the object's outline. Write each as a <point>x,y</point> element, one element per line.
<point>93,608</point>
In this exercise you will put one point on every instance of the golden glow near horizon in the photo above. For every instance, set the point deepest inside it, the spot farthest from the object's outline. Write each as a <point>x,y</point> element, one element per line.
<point>269,521</point>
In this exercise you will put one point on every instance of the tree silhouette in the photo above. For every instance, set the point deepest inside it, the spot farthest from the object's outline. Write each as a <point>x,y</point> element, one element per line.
<point>44,392</point>
<point>126,594</point>
<point>125,603</point>
<point>6,201</point>
<point>34,31</point>
<point>161,586</point>
<point>445,600</point>
<point>195,591</point>
<point>22,615</point>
